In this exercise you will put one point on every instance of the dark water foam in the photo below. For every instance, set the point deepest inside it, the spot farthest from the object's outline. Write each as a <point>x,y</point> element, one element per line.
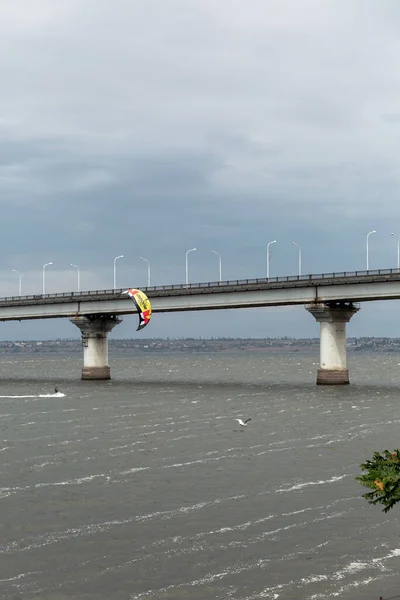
<point>146,487</point>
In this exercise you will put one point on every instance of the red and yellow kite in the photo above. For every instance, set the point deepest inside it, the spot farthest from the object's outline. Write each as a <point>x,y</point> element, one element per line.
<point>143,306</point>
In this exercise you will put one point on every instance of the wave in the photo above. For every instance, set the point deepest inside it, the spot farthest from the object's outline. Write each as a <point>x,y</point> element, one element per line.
<point>55,395</point>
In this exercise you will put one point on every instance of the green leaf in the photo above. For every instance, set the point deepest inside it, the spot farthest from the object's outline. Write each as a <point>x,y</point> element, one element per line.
<point>382,476</point>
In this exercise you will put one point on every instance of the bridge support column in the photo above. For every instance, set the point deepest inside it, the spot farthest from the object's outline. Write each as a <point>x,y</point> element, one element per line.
<point>95,331</point>
<point>332,318</point>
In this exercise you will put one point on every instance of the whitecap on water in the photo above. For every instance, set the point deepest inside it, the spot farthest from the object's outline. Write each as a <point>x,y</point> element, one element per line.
<point>55,395</point>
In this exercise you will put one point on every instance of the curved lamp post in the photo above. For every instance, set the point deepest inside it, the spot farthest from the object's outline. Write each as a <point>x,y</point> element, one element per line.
<point>187,266</point>
<point>79,282</point>
<point>268,245</point>
<point>44,277</point>
<point>148,270</point>
<point>398,250</point>
<point>368,234</point>
<point>115,270</point>
<point>220,264</point>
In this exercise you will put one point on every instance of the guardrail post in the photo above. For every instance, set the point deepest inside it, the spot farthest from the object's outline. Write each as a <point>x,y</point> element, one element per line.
<point>333,362</point>
<point>95,331</point>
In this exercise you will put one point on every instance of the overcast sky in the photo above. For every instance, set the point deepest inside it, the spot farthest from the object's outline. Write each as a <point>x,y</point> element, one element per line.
<point>146,128</point>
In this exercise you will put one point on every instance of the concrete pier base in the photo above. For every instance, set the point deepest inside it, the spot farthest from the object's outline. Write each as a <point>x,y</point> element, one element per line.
<point>95,331</point>
<point>333,360</point>
<point>96,373</point>
<point>332,376</point>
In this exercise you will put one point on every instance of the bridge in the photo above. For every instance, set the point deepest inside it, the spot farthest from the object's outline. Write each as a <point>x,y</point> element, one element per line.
<point>332,298</point>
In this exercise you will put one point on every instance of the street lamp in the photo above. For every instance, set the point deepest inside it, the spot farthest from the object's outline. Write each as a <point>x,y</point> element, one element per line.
<point>368,234</point>
<point>294,244</point>
<point>148,270</point>
<point>220,264</point>
<point>20,281</point>
<point>268,245</point>
<point>115,270</point>
<point>398,251</point>
<point>79,283</point>
<point>187,266</point>
<point>43,277</point>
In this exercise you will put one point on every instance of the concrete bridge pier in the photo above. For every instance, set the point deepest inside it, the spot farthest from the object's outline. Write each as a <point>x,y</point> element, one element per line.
<point>95,329</point>
<point>332,318</point>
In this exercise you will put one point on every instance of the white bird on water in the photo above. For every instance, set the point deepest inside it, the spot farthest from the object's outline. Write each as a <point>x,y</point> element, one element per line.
<point>243,423</point>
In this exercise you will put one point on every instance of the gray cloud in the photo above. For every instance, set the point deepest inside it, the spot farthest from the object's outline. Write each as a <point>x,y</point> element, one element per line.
<point>149,128</point>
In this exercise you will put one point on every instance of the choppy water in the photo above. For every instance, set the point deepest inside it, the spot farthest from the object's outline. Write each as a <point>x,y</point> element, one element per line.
<point>146,488</point>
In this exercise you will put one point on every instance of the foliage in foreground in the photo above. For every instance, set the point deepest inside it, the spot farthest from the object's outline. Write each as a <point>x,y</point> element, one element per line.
<point>383,478</point>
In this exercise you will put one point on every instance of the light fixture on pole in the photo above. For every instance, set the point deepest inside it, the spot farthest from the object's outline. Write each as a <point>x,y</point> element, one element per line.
<point>20,281</point>
<point>268,245</point>
<point>44,277</point>
<point>294,244</point>
<point>79,282</point>
<point>368,234</point>
<point>220,264</point>
<point>398,250</point>
<point>187,266</point>
<point>115,270</point>
<point>148,270</point>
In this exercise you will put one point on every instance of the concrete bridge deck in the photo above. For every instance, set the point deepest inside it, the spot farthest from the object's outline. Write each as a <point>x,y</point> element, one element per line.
<point>357,286</point>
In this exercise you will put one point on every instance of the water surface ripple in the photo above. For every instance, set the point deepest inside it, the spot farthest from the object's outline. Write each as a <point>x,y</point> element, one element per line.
<point>146,487</point>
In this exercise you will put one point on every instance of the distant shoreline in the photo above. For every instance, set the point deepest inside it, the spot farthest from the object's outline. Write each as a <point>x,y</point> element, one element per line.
<point>71,347</point>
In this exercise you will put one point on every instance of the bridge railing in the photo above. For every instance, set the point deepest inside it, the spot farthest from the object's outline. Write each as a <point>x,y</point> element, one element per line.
<point>208,284</point>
